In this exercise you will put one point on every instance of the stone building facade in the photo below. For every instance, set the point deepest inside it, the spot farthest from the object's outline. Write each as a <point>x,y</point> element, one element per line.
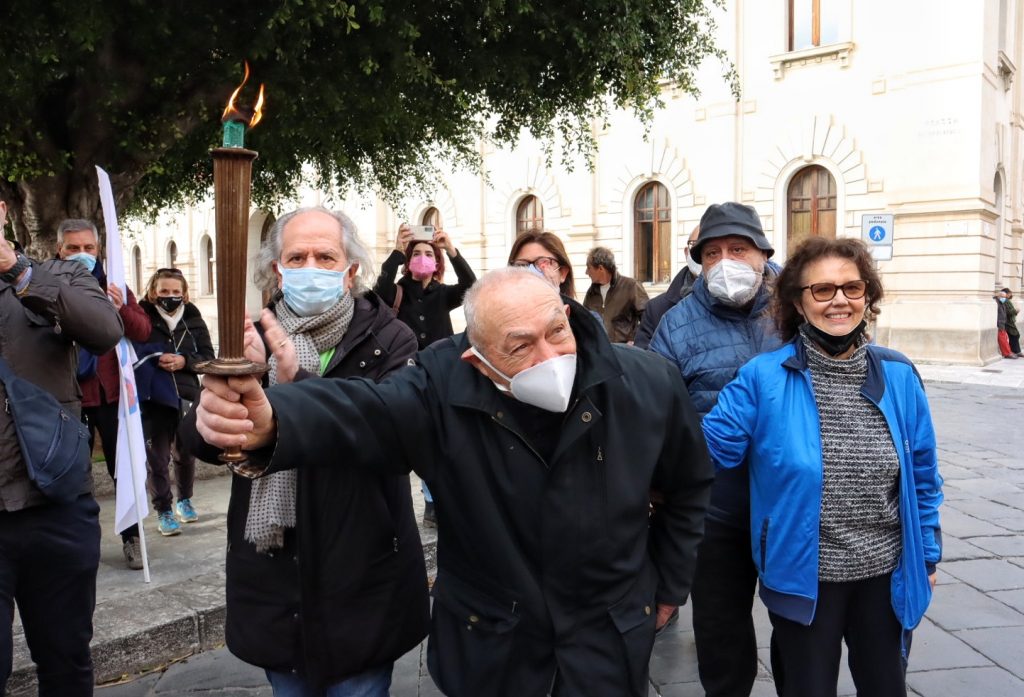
<point>847,109</point>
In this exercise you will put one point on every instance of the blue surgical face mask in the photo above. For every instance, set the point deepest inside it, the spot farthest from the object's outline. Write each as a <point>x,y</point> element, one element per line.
<point>310,291</point>
<point>88,260</point>
<point>1002,300</point>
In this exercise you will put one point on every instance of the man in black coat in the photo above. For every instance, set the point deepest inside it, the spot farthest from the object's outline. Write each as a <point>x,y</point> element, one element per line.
<point>553,574</point>
<point>681,286</point>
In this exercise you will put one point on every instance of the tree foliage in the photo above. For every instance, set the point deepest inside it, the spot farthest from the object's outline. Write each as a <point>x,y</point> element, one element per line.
<point>362,92</point>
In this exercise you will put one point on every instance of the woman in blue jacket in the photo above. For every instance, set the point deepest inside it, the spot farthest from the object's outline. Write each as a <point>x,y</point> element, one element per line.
<point>844,478</point>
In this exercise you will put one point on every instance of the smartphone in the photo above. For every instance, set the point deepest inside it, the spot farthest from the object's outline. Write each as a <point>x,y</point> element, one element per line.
<point>422,233</point>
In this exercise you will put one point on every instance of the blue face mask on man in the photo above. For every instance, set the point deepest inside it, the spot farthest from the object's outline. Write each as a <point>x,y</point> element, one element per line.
<point>310,291</point>
<point>88,260</point>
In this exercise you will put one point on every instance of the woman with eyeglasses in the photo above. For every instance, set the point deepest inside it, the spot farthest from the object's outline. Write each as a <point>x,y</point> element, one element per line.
<point>844,480</point>
<point>544,253</point>
<point>168,384</point>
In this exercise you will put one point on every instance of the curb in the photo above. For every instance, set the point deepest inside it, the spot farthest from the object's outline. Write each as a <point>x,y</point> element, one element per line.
<point>144,632</point>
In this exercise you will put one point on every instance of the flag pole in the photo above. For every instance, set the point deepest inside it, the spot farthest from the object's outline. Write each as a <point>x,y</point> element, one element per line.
<point>135,495</point>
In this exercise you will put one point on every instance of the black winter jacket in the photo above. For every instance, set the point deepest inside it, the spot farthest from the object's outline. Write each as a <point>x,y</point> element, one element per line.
<point>537,559</point>
<point>425,310</point>
<point>348,592</point>
<point>191,338</point>
<point>680,287</point>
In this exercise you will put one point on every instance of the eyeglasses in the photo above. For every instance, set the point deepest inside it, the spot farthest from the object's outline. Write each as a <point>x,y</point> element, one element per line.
<point>823,292</point>
<point>171,271</point>
<point>542,263</point>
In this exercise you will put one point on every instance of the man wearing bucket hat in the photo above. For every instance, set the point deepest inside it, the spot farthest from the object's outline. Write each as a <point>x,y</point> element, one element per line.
<point>709,335</point>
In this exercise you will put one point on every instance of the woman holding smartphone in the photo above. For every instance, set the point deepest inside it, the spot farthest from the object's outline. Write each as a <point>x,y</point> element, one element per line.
<point>420,297</point>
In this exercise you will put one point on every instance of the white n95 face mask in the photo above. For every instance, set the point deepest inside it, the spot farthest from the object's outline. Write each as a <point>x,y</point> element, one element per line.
<point>694,266</point>
<point>547,385</point>
<point>733,282</point>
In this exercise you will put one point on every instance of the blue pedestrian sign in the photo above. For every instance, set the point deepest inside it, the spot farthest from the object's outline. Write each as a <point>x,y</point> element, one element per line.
<point>877,231</point>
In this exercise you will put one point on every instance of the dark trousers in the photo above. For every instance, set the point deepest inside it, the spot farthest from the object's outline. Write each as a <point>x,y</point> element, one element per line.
<point>103,418</point>
<point>1014,342</point>
<point>48,560</point>
<point>160,426</point>
<point>723,598</point>
<point>859,612</point>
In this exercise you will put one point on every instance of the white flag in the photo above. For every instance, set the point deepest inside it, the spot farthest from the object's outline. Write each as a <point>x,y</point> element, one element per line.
<point>132,505</point>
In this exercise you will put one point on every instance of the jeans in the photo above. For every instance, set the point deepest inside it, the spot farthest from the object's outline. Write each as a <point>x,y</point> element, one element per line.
<point>372,683</point>
<point>49,558</point>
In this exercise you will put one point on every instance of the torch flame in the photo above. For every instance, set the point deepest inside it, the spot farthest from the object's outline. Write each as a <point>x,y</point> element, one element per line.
<point>258,113</point>
<point>231,112</point>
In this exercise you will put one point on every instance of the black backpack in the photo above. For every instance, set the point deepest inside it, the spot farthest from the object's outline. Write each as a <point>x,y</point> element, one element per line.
<point>54,444</point>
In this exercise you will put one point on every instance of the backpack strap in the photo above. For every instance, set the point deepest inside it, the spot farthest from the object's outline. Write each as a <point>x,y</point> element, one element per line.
<point>398,299</point>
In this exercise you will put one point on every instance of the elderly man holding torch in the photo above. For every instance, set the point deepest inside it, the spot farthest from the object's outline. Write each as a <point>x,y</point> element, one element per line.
<point>552,573</point>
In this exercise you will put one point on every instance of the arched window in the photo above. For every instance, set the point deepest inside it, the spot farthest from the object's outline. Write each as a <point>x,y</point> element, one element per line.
<point>652,234</point>
<point>137,269</point>
<point>812,206</point>
<point>172,254</point>
<point>206,266</point>
<point>432,216</point>
<point>529,215</point>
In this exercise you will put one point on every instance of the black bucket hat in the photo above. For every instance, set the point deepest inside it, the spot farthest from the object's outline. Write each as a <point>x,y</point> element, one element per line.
<point>731,218</point>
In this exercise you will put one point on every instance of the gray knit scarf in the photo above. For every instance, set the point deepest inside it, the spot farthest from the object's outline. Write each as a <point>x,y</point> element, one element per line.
<point>272,501</point>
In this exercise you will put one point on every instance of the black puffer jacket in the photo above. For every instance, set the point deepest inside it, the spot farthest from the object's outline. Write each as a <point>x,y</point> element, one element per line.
<point>348,592</point>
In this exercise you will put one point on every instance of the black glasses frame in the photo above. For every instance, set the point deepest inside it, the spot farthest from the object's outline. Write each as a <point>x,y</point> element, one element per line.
<point>522,264</point>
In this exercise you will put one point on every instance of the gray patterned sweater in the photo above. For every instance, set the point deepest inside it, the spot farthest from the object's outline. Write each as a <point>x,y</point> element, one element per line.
<point>860,522</point>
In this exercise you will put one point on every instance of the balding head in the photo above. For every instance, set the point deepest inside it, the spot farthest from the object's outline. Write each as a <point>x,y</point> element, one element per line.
<point>517,319</point>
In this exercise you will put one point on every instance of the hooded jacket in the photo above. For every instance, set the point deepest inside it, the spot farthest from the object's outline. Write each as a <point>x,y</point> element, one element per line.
<point>786,474</point>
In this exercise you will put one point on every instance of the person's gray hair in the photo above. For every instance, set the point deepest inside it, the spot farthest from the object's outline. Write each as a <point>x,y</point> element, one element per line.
<point>74,225</point>
<point>601,256</point>
<point>499,276</point>
<point>357,253</point>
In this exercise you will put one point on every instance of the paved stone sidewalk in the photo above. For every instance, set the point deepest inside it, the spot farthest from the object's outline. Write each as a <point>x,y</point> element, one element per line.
<point>971,642</point>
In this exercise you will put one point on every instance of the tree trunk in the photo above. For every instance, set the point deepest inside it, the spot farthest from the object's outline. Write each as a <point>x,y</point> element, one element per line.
<point>36,207</point>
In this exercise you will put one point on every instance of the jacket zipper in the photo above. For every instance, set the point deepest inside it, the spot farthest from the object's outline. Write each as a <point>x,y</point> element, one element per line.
<point>764,544</point>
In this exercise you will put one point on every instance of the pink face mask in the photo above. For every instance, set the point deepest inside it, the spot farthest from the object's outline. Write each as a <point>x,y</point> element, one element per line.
<point>422,267</point>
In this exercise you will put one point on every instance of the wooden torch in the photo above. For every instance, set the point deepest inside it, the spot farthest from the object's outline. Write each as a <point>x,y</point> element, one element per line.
<point>232,177</point>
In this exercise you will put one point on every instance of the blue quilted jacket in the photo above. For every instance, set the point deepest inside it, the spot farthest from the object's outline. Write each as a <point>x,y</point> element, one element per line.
<point>709,342</point>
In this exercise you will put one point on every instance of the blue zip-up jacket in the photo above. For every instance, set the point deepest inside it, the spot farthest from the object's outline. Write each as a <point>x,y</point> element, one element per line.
<point>708,341</point>
<point>768,417</point>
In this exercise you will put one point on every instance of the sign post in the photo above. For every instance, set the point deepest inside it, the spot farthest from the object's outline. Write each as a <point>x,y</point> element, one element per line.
<point>877,231</point>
